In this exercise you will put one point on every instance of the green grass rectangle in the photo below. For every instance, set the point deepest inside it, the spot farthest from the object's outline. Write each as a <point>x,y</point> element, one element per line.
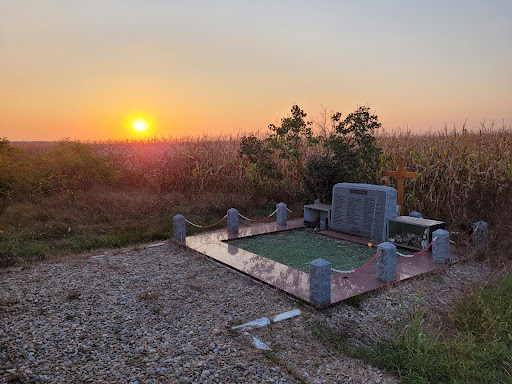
<point>297,248</point>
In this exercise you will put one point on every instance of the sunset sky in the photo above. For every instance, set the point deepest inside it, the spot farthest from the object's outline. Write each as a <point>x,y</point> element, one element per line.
<point>84,69</point>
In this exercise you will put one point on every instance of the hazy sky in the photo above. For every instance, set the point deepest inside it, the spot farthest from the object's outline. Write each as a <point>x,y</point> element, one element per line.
<point>83,68</point>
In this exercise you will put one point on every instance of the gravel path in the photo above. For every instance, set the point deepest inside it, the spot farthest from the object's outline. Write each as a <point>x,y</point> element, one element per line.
<point>163,314</point>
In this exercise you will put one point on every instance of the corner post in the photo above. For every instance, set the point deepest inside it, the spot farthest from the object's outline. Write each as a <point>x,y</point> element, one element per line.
<point>386,262</point>
<point>179,229</point>
<point>480,229</point>
<point>232,220</point>
<point>281,214</point>
<point>320,282</point>
<point>441,246</point>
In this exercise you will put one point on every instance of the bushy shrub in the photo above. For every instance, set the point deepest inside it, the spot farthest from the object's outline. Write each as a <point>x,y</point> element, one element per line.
<point>9,174</point>
<point>347,154</point>
<point>490,201</point>
<point>70,166</point>
<point>261,167</point>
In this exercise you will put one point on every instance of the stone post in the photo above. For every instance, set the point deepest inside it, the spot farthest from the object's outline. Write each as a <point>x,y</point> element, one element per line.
<point>281,214</point>
<point>179,229</point>
<point>232,220</point>
<point>441,246</point>
<point>386,262</point>
<point>320,282</point>
<point>416,215</point>
<point>480,236</point>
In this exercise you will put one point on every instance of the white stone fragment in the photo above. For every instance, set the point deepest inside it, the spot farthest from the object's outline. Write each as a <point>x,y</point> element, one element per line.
<point>255,323</point>
<point>287,315</point>
<point>260,344</point>
<point>155,245</point>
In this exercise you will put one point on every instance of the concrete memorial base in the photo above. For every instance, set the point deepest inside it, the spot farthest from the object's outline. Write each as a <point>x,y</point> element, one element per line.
<point>295,282</point>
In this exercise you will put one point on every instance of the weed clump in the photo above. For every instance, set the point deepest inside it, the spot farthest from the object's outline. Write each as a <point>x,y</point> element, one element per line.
<point>57,198</point>
<point>480,351</point>
<point>490,202</point>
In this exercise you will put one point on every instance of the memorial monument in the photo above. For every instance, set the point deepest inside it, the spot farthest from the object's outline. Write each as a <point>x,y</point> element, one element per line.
<point>363,209</point>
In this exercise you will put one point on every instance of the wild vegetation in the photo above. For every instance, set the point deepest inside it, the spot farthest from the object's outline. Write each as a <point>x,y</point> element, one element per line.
<point>70,196</point>
<point>74,196</point>
<point>479,349</point>
<point>344,152</point>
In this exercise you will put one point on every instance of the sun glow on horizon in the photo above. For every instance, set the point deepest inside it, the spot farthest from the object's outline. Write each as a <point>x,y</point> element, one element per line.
<point>140,124</point>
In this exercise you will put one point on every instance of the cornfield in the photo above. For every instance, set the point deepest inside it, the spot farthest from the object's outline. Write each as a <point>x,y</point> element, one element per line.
<point>450,166</point>
<point>71,196</point>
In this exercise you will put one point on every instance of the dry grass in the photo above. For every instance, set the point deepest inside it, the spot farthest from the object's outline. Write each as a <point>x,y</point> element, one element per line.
<point>450,166</point>
<point>461,175</point>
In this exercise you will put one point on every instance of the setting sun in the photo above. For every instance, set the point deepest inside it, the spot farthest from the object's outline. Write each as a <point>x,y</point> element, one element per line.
<point>140,125</point>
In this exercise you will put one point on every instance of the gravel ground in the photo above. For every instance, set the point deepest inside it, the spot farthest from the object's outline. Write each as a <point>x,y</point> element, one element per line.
<point>163,314</point>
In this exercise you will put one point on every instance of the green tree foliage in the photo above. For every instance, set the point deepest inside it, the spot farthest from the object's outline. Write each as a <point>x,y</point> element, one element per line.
<point>70,166</point>
<point>290,141</point>
<point>260,166</point>
<point>259,155</point>
<point>347,154</point>
<point>288,138</point>
<point>8,173</point>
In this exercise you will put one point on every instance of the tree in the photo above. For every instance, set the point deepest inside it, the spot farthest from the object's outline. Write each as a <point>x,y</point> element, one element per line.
<point>350,153</point>
<point>290,140</point>
<point>347,154</point>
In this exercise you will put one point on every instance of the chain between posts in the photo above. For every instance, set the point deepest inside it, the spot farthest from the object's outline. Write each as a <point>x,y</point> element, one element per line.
<point>206,226</point>
<point>254,220</point>
<point>242,216</point>
<point>374,257</point>
<point>465,242</point>
<point>358,268</point>
<point>420,252</point>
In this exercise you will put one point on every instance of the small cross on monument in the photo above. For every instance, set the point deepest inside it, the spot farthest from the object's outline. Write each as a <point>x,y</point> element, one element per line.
<point>401,175</point>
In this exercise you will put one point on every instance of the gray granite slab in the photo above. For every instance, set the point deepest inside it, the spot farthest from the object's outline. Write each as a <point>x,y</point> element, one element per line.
<point>362,209</point>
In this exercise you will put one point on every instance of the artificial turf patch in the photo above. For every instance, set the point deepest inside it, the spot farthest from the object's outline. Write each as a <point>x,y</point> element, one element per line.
<point>297,248</point>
